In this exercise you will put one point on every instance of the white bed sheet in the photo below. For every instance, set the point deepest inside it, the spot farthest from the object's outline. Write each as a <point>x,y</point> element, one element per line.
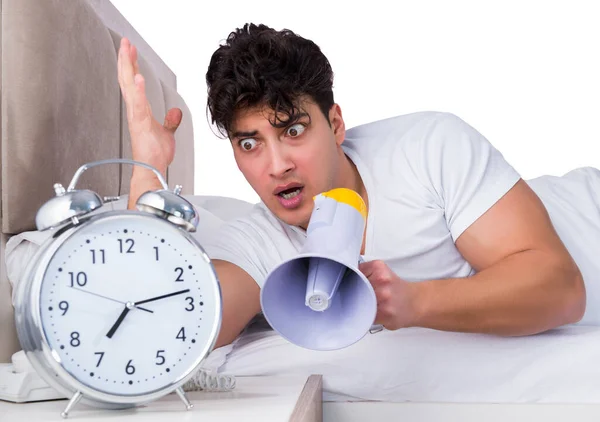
<point>421,365</point>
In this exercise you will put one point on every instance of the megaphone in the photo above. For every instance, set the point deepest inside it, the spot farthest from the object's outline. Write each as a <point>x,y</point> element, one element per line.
<point>319,299</point>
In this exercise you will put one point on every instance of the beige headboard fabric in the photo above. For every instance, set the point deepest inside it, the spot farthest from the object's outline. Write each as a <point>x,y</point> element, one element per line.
<point>61,107</point>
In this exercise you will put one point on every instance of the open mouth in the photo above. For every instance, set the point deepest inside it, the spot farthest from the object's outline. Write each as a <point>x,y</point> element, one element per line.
<point>290,193</point>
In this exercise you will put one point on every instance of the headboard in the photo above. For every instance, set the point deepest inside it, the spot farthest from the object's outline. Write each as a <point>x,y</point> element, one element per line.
<point>61,107</point>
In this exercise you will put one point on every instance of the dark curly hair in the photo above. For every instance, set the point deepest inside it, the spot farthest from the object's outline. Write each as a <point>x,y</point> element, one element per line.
<point>259,66</point>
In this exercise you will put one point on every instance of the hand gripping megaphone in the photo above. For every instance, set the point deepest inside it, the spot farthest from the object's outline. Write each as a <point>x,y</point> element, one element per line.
<point>319,299</point>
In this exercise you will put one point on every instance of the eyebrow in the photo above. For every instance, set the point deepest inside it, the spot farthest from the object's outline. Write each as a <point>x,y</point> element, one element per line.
<point>236,135</point>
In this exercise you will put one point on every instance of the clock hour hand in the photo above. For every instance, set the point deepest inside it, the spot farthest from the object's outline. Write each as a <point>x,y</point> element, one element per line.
<point>116,325</point>
<point>152,299</point>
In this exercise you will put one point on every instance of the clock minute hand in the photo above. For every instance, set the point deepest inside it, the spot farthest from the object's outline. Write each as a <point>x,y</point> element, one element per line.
<point>152,299</point>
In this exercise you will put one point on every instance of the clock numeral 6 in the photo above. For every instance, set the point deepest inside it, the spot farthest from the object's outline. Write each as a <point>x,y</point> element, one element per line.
<point>129,368</point>
<point>75,342</point>
<point>161,357</point>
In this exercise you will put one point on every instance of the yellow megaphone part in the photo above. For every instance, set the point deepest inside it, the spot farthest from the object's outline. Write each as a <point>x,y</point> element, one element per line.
<point>349,197</point>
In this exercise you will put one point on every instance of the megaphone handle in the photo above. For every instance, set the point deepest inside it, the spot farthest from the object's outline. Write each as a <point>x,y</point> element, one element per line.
<point>375,328</point>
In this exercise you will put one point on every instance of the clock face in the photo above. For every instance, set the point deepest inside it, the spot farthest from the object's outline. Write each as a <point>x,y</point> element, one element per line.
<point>129,305</point>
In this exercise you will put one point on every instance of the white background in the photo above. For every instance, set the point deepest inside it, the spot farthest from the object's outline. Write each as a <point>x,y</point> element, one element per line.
<point>526,74</point>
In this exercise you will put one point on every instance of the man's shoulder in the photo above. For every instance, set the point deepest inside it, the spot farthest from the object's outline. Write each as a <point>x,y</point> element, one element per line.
<point>399,125</point>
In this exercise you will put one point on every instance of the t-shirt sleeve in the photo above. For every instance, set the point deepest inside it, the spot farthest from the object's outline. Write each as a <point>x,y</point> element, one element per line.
<point>465,172</point>
<point>243,244</point>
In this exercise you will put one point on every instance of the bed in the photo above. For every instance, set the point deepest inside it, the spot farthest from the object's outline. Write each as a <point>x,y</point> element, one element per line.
<point>61,107</point>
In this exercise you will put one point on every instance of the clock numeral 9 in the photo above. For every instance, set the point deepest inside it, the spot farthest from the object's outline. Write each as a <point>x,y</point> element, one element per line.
<point>180,271</point>
<point>181,334</point>
<point>102,255</point>
<point>161,357</point>
<point>130,242</point>
<point>80,278</point>
<point>191,300</point>
<point>129,368</point>
<point>63,306</point>
<point>75,342</point>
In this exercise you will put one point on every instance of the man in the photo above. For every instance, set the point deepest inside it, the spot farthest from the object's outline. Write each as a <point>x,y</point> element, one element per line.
<point>455,239</point>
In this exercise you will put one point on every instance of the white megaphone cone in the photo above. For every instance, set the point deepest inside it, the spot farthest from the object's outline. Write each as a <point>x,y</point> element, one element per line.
<point>319,299</point>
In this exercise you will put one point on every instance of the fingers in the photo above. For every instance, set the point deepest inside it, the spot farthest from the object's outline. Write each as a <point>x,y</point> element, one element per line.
<point>134,59</point>
<point>125,69</point>
<point>141,113</point>
<point>173,119</point>
<point>376,271</point>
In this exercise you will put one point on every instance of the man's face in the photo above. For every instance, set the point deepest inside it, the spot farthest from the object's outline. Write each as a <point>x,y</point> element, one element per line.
<point>288,166</point>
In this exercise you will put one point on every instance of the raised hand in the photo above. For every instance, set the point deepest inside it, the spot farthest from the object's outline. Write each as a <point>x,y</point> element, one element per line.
<point>152,142</point>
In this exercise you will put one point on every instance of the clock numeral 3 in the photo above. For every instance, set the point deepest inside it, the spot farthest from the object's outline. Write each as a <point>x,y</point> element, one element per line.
<point>102,255</point>
<point>129,368</point>
<point>191,300</point>
<point>100,359</point>
<point>180,271</point>
<point>75,342</point>
<point>181,334</point>
<point>80,278</point>
<point>129,242</point>
<point>161,357</point>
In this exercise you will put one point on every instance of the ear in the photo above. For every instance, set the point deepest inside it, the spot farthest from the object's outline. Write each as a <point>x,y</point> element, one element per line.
<point>337,123</point>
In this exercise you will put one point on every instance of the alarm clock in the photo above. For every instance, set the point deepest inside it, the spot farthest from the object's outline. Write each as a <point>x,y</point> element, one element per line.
<point>118,308</point>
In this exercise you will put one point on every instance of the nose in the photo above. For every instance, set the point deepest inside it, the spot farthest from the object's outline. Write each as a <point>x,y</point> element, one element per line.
<point>280,160</point>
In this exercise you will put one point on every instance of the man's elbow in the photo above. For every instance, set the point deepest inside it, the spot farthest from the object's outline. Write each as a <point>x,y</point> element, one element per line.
<point>573,297</point>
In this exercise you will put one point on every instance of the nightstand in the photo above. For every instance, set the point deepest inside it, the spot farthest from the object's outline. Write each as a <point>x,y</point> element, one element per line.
<point>264,399</point>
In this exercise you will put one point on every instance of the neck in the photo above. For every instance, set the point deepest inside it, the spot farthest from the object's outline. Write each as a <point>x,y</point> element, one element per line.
<point>350,178</point>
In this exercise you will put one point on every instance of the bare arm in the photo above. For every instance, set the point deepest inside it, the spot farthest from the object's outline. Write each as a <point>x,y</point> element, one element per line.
<point>241,300</point>
<point>526,282</point>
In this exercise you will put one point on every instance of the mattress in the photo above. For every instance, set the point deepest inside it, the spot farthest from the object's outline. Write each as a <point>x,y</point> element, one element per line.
<point>422,365</point>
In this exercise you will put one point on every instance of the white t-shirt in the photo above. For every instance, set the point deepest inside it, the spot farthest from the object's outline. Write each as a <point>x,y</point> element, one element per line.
<point>428,176</point>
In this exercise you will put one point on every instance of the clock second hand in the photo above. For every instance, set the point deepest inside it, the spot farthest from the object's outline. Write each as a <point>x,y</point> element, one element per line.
<point>110,298</point>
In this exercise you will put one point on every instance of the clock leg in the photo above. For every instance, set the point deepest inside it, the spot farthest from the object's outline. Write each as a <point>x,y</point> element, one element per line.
<point>76,397</point>
<point>184,399</point>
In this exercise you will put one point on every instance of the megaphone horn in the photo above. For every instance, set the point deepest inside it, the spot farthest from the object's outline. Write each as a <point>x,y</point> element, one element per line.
<point>319,299</point>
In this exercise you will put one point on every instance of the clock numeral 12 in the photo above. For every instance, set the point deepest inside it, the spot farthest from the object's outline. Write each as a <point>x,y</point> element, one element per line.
<point>130,242</point>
